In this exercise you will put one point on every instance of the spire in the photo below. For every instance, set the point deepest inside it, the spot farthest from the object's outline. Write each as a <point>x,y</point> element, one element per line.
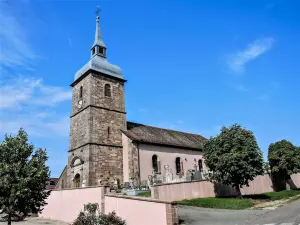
<point>98,48</point>
<point>98,61</point>
<point>98,36</point>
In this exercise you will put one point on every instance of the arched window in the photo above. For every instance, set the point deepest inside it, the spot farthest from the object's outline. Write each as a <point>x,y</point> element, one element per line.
<point>80,92</point>
<point>107,90</point>
<point>178,165</point>
<point>200,165</point>
<point>155,164</point>
<point>77,180</point>
<point>76,161</point>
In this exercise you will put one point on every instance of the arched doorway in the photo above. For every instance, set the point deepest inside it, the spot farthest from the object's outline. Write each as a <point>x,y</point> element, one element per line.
<point>77,180</point>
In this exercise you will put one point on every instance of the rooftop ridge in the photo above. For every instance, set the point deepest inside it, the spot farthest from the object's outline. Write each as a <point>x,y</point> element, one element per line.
<point>183,132</point>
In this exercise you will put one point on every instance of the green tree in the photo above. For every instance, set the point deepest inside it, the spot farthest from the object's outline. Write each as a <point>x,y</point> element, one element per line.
<point>266,167</point>
<point>233,157</point>
<point>23,177</point>
<point>284,160</point>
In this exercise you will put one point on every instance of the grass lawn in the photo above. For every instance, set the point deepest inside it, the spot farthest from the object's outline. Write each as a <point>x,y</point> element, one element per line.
<point>235,203</point>
<point>282,194</point>
<point>144,194</point>
<point>218,203</point>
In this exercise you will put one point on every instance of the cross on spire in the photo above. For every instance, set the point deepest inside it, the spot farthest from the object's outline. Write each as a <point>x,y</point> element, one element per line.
<point>98,10</point>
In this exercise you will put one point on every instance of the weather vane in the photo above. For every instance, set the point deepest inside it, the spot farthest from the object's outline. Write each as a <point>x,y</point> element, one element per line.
<point>98,10</point>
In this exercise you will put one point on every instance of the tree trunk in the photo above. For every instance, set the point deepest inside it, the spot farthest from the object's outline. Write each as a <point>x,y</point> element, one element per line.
<point>9,219</point>
<point>238,191</point>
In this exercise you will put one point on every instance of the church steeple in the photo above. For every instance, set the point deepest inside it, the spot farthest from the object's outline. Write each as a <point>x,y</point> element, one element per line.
<point>98,48</point>
<point>98,61</point>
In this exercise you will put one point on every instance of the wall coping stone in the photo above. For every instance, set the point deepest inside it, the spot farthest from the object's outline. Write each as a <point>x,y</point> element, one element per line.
<point>68,189</point>
<point>181,182</point>
<point>141,199</point>
<point>190,181</point>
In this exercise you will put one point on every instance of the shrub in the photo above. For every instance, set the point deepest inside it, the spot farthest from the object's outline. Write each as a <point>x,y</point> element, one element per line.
<point>92,216</point>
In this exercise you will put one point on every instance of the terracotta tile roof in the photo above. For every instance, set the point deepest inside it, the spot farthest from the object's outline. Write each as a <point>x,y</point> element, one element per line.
<point>159,136</point>
<point>51,183</point>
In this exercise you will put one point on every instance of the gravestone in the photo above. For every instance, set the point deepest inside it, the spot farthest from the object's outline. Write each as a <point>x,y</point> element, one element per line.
<point>168,174</point>
<point>126,185</point>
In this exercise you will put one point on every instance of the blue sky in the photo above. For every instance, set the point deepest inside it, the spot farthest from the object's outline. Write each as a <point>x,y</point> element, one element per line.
<point>191,65</point>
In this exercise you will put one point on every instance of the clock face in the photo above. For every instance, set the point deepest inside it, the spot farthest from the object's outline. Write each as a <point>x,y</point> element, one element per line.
<point>80,104</point>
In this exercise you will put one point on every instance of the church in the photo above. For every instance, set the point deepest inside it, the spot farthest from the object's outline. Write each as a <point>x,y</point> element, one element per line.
<point>104,147</point>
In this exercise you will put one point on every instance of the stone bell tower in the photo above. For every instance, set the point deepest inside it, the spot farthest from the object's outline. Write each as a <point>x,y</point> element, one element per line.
<point>97,118</point>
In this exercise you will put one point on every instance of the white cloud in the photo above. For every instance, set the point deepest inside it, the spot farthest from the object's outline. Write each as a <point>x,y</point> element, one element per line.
<point>31,91</point>
<point>15,50</point>
<point>237,61</point>
<point>33,105</point>
<point>37,126</point>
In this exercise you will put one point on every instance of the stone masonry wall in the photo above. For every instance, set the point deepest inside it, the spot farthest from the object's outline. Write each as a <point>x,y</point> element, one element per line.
<point>106,126</point>
<point>106,163</point>
<point>85,83</point>
<point>116,101</point>
<point>80,129</point>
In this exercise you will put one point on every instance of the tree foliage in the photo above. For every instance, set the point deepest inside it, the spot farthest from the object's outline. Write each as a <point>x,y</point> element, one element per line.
<point>284,159</point>
<point>233,157</point>
<point>23,176</point>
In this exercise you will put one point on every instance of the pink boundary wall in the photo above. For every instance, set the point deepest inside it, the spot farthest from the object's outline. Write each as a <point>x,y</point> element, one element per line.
<point>202,189</point>
<point>142,211</point>
<point>65,205</point>
<point>296,179</point>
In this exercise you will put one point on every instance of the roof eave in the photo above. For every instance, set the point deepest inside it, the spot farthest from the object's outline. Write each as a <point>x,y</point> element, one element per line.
<point>167,145</point>
<point>89,71</point>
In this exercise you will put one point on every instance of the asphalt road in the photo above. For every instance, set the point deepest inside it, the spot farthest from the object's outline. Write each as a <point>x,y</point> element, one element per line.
<point>286,215</point>
<point>203,216</point>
